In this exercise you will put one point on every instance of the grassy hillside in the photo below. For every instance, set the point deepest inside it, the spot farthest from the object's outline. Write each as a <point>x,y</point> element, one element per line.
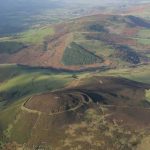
<point>99,48</point>
<point>145,33</point>
<point>77,55</point>
<point>17,83</point>
<point>36,35</point>
<point>110,40</point>
<point>144,37</point>
<point>148,95</point>
<point>25,82</point>
<point>32,36</point>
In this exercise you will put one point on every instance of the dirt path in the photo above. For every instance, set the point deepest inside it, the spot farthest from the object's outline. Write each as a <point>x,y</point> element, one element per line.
<point>29,110</point>
<point>74,83</point>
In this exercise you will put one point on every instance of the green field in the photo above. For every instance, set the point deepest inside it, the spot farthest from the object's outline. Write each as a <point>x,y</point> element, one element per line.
<point>36,35</point>
<point>31,36</point>
<point>144,36</point>
<point>144,33</point>
<point>97,47</point>
<point>148,95</point>
<point>140,73</point>
<point>144,41</point>
<point>148,55</point>
<point>77,55</point>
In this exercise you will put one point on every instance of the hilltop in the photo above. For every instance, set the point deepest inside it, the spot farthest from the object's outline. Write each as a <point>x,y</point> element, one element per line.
<point>59,105</point>
<point>105,106</point>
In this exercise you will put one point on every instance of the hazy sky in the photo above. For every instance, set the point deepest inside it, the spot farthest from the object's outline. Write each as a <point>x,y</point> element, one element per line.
<point>106,1</point>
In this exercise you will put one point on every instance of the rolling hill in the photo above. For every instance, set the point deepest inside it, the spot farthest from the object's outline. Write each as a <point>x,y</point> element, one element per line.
<point>78,79</point>
<point>94,41</point>
<point>110,108</point>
